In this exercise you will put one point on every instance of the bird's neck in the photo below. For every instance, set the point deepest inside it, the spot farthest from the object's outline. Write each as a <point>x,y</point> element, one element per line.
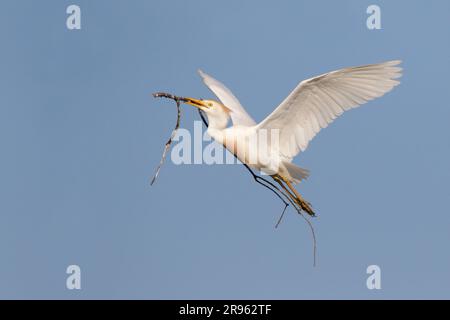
<point>218,122</point>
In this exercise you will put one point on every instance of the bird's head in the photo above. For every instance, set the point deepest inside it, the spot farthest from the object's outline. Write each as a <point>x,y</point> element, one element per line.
<point>218,115</point>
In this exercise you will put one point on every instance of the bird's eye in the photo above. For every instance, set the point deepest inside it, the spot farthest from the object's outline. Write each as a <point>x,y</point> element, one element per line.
<point>210,104</point>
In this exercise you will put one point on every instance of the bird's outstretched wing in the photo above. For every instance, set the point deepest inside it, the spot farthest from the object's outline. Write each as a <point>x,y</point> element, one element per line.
<point>316,102</point>
<point>238,114</point>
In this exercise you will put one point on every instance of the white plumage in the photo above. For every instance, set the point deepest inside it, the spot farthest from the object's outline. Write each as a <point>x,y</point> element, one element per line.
<point>310,107</point>
<point>238,115</point>
<point>314,103</point>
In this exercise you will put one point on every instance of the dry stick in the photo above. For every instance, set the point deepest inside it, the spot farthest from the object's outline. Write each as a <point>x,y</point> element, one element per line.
<point>169,142</point>
<point>169,96</point>
<point>313,232</point>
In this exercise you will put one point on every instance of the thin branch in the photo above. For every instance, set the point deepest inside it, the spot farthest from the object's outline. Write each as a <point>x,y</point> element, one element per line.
<point>174,132</point>
<point>281,216</point>
<point>313,233</point>
<point>169,96</point>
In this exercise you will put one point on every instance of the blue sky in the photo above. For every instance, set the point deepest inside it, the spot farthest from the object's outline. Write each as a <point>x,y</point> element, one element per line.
<point>81,136</point>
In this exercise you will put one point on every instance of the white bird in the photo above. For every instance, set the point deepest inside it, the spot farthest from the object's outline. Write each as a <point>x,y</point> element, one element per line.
<point>271,145</point>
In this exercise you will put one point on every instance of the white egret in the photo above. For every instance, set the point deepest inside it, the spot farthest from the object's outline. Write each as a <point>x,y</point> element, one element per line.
<point>310,107</point>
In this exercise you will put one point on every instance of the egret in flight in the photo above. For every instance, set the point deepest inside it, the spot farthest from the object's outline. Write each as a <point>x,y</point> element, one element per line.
<point>310,107</point>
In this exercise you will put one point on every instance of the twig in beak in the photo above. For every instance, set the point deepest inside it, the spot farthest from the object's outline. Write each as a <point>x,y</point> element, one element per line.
<point>169,96</point>
<point>174,132</point>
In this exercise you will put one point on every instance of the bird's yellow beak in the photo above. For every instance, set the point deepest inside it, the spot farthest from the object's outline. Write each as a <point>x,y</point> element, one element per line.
<point>196,103</point>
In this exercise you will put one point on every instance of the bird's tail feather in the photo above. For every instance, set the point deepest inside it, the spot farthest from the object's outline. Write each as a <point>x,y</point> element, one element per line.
<point>297,174</point>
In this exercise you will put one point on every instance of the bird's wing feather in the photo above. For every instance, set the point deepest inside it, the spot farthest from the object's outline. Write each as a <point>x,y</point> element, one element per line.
<point>238,114</point>
<point>316,102</point>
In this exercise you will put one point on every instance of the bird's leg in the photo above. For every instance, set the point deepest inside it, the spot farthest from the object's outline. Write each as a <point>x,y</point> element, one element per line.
<point>298,198</point>
<point>293,196</point>
<point>294,201</point>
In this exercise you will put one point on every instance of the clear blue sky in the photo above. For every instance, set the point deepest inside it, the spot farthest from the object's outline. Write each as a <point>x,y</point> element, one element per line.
<point>80,137</point>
